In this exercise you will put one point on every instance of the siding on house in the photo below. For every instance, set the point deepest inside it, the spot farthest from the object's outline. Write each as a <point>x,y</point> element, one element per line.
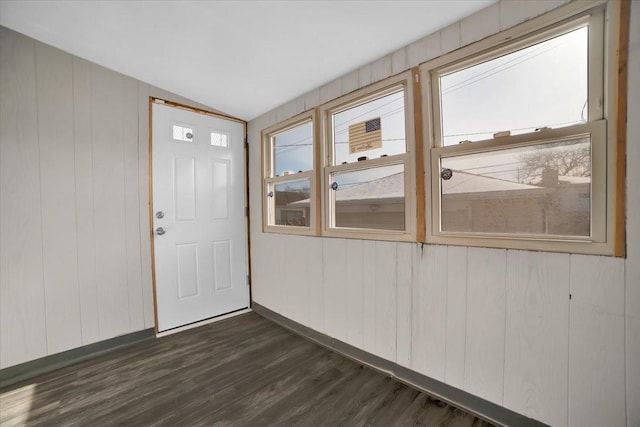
<point>497,323</point>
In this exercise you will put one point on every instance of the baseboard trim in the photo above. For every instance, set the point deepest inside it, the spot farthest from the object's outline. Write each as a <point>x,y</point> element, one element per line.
<point>24,371</point>
<point>482,408</point>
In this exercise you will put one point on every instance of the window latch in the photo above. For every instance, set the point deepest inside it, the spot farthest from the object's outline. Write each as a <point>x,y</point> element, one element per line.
<point>270,194</point>
<point>334,185</point>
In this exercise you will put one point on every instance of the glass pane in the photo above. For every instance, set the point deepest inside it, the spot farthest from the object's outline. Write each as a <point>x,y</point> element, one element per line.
<point>538,190</point>
<point>371,130</point>
<point>219,139</point>
<point>541,85</point>
<point>293,150</point>
<point>182,133</point>
<point>371,198</point>
<point>291,203</point>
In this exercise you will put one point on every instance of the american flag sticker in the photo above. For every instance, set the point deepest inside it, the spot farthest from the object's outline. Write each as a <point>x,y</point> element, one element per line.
<point>365,136</point>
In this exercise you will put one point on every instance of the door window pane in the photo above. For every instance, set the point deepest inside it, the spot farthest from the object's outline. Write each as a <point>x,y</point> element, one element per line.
<point>541,85</point>
<point>220,139</point>
<point>370,198</point>
<point>182,133</point>
<point>542,189</point>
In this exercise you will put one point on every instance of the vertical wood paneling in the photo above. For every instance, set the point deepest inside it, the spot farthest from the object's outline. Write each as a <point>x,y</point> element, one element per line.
<point>259,287</point>
<point>385,300</point>
<point>429,310</point>
<point>537,335</point>
<point>297,267</point>
<point>109,203</point>
<point>54,72</point>
<point>311,99</point>
<point>334,268</point>
<point>399,61</point>
<point>456,316</point>
<point>354,288</point>
<point>315,282</point>
<point>84,201</point>
<point>369,295</point>
<point>485,327</point>
<point>632,264</point>
<point>364,75</point>
<point>596,340</point>
<point>132,203</point>
<point>143,198</point>
<point>350,82</point>
<point>403,303</point>
<point>450,38</point>
<point>330,91</point>
<point>381,69</point>
<point>480,25</point>
<point>22,305</point>
<point>423,50</point>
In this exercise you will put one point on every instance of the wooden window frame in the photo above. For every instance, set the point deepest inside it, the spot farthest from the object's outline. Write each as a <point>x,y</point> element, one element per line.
<point>269,180</point>
<point>328,168</point>
<point>603,18</point>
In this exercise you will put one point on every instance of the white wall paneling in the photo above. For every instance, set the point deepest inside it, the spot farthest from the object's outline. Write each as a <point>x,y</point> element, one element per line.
<point>109,203</point>
<point>596,340</point>
<point>381,69</point>
<point>354,288</point>
<point>485,323</point>
<point>385,299</point>
<point>429,310</point>
<point>632,264</point>
<point>334,304</point>
<point>84,201</point>
<point>455,340</point>
<point>132,204</point>
<point>404,277</point>
<point>369,295</point>
<point>75,256</point>
<point>537,335</point>
<point>54,72</point>
<point>296,279</point>
<point>22,298</point>
<point>315,283</point>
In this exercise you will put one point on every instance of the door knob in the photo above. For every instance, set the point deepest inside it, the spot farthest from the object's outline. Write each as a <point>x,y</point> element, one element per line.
<point>160,231</point>
<point>159,214</point>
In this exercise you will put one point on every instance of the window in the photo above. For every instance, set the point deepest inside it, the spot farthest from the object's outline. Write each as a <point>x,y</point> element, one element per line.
<point>368,164</point>
<point>220,138</point>
<point>289,176</point>
<point>183,133</point>
<point>518,146</point>
<point>520,142</point>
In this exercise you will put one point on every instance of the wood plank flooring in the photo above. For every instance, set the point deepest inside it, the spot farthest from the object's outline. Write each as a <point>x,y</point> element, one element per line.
<point>242,371</point>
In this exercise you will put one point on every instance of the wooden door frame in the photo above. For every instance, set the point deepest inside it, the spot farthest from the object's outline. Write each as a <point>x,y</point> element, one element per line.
<point>155,100</point>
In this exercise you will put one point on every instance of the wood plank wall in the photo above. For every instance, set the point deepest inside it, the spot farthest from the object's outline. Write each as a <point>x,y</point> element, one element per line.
<point>497,323</point>
<point>74,232</point>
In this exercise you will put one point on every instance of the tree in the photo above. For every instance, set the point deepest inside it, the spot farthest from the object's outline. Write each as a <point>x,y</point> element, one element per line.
<point>571,158</point>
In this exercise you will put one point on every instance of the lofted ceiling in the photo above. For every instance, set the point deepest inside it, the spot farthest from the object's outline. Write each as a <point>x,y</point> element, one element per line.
<point>240,57</point>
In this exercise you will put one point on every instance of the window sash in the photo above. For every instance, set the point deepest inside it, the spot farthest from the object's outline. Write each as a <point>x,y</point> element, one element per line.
<point>269,180</point>
<point>597,130</point>
<point>362,96</point>
<point>595,21</point>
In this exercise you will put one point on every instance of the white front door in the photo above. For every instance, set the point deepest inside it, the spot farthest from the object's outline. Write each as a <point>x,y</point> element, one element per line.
<point>198,216</point>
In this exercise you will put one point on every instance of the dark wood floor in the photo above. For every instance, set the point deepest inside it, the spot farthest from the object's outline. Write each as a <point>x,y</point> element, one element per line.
<point>243,371</point>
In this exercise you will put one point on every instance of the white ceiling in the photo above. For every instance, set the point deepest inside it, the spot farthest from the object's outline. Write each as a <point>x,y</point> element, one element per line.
<point>240,57</point>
